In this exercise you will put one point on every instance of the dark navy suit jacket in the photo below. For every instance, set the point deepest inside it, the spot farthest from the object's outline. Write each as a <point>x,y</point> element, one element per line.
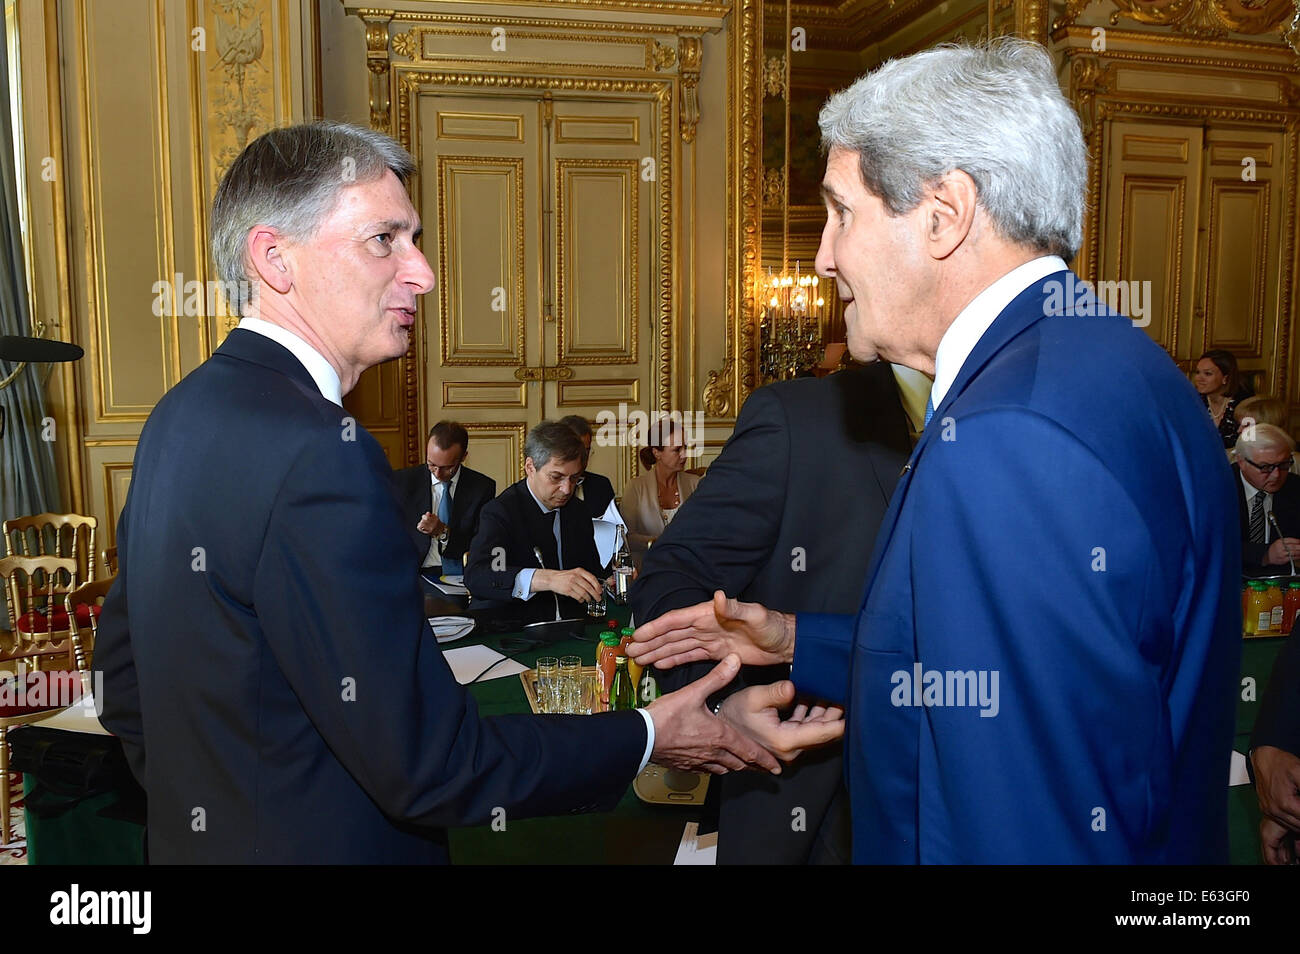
<point>266,661</point>
<point>1067,523</point>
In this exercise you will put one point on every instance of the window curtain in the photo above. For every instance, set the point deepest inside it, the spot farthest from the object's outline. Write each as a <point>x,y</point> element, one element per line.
<point>28,478</point>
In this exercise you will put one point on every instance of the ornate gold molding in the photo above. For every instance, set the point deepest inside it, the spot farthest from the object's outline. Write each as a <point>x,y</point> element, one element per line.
<point>1207,18</point>
<point>717,390</point>
<point>774,77</point>
<point>377,63</point>
<point>773,187</point>
<point>1031,20</point>
<point>690,56</point>
<point>662,55</point>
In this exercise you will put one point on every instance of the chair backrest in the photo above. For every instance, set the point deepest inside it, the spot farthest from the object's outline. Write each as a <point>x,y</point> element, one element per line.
<point>84,625</point>
<point>55,534</point>
<point>110,560</point>
<point>35,588</point>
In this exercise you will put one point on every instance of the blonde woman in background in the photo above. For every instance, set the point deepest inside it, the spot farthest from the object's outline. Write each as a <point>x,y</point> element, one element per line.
<point>652,500</point>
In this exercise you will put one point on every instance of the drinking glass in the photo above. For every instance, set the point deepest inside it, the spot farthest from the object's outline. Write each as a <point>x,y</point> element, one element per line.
<point>596,607</point>
<point>548,684</point>
<point>570,684</point>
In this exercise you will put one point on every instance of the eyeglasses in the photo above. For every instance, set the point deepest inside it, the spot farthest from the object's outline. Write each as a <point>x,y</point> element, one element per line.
<point>574,479</point>
<point>1267,469</point>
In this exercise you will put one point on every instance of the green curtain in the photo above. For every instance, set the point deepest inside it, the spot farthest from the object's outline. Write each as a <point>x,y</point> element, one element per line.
<point>28,478</point>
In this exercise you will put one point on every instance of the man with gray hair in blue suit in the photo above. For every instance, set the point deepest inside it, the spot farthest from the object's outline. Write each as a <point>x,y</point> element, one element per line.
<point>1043,666</point>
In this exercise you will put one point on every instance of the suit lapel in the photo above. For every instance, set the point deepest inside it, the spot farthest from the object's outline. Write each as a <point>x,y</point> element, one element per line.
<point>245,345</point>
<point>1023,311</point>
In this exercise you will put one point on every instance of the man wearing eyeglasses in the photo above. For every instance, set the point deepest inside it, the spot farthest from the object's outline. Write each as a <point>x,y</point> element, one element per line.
<point>534,539</point>
<point>442,500</point>
<point>1264,495</point>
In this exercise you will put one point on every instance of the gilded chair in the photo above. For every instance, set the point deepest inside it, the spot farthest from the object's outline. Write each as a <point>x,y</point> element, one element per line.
<point>35,591</point>
<point>82,606</point>
<point>55,534</point>
<point>110,560</point>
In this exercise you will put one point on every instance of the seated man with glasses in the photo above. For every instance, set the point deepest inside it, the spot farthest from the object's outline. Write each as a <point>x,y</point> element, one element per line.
<point>1265,495</point>
<point>442,500</point>
<point>536,538</point>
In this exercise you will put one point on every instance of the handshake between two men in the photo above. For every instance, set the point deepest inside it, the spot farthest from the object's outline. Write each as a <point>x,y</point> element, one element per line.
<point>750,729</point>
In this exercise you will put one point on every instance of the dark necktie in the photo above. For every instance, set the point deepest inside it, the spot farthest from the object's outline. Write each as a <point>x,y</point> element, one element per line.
<point>1257,518</point>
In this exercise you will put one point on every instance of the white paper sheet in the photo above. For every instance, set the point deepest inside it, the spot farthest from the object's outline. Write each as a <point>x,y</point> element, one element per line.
<point>605,529</point>
<point>1237,774</point>
<point>448,629</point>
<point>450,585</point>
<point>468,661</point>
<point>697,849</point>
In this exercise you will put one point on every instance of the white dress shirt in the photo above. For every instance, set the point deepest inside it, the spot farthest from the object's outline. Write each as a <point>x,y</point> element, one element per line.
<point>321,371</point>
<point>1251,490</point>
<point>434,557</point>
<point>969,326</point>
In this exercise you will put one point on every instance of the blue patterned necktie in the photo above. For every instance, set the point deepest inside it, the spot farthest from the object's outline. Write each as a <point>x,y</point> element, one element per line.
<point>929,410</point>
<point>451,565</point>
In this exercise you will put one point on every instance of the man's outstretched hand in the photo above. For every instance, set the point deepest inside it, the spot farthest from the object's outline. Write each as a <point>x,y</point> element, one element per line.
<point>690,737</point>
<point>759,636</point>
<point>756,711</point>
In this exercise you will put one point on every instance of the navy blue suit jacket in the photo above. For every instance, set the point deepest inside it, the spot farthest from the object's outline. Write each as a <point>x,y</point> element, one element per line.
<point>266,660</point>
<point>1068,525</point>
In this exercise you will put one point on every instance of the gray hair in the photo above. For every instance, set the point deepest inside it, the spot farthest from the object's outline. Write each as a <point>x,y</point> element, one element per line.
<point>1266,437</point>
<point>551,439</point>
<point>290,179</point>
<point>994,111</point>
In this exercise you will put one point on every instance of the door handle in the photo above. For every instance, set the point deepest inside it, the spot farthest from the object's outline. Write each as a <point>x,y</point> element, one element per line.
<point>559,373</point>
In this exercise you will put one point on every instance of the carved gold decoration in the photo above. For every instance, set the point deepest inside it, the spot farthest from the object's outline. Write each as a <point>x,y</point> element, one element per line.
<point>1090,76</point>
<point>663,55</point>
<point>1073,10</point>
<point>237,103</point>
<point>773,187</point>
<point>1292,34</point>
<point>560,373</point>
<point>378,65</point>
<point>1207,18</point>
<point>774,77</point>
<point>690,54</point>
<point>717,391</point>
<point>1031,19</point>
<point>407,44</point>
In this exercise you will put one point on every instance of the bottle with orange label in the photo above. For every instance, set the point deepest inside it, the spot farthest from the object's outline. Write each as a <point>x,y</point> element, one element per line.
<point>1292,606</point>
<point>1259,611</point>
<point>606,659</point>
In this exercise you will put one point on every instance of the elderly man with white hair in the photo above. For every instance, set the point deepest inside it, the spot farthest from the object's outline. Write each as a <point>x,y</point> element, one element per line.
<point>1043,666</point>
<point>1265,495</point>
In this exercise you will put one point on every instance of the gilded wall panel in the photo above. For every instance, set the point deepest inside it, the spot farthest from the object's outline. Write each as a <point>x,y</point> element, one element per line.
<point>480,259</point>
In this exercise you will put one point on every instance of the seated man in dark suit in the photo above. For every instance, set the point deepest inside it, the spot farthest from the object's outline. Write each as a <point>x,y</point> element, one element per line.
<point>595,492</point>
<point>537,538</point>
<point>442,500</point>
<point>760,526</point>
<point>1263,488</point>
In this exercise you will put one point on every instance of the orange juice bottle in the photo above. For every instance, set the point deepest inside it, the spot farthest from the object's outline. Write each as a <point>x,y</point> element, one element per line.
<point>633,667</point>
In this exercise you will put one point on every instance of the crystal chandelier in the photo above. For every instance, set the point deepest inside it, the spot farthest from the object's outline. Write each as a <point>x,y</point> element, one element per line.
<point>792,328</point>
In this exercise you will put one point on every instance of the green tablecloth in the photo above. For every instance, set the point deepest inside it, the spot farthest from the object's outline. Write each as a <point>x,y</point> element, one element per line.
<point>633,833</point>
<point>1257,658</point>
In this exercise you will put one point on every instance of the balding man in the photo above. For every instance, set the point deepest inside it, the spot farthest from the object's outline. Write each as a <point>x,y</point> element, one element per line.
<point>1262,468</point>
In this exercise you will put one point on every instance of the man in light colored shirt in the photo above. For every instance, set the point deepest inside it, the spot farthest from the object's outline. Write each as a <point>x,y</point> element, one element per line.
<point>442,500</point>
<point>1267,498</point>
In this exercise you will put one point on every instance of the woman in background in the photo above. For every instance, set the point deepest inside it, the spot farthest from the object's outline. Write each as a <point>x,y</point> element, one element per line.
<point>1217,379</point>
<point>651,501</point>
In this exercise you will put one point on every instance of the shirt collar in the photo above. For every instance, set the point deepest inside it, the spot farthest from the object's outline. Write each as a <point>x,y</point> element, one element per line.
<point>969,326</point>
<point>1251,489</point>
<point>321,371</point>
<point>434,480</point>
<point>543,507</point>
